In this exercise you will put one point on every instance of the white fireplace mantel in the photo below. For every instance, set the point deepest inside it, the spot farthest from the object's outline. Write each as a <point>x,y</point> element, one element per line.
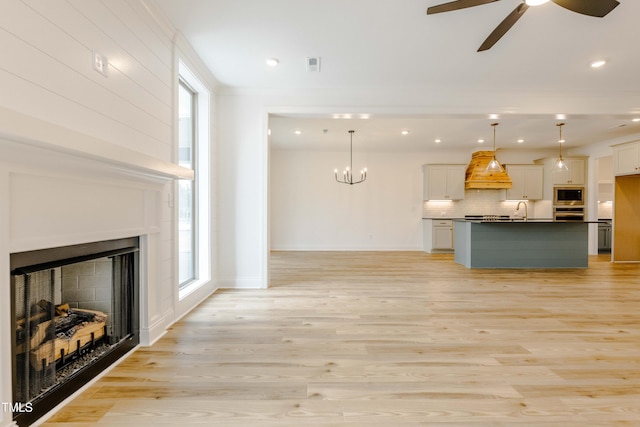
<point>15,126</point>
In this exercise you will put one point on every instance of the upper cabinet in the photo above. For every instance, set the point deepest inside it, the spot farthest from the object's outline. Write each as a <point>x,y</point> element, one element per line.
<point>573,176</point>
<point>527,182</point>
<point>626,159</point>
<point>443,182</point>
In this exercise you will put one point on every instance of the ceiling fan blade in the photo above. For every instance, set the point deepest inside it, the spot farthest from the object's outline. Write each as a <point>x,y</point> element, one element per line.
<point>455,5</point>
<point>597,8</point>
<point>504,26</point>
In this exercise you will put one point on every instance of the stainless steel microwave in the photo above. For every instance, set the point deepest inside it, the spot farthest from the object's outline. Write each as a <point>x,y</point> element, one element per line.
<point>568,196</point>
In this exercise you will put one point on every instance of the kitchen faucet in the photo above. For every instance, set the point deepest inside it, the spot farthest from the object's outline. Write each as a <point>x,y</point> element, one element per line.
<point>526,209</point>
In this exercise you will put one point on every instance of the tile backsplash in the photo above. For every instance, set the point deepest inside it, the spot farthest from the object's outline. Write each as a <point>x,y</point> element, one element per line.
<point>478,202</point>
<point>605,210</point>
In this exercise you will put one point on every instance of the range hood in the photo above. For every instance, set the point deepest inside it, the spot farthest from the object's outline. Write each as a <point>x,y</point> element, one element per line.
<point>477,176</point>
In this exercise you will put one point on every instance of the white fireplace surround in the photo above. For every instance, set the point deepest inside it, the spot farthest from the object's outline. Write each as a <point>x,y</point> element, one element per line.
<point>59,187</point>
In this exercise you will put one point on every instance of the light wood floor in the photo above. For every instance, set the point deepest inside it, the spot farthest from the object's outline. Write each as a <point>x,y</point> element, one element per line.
<point>388,339</point>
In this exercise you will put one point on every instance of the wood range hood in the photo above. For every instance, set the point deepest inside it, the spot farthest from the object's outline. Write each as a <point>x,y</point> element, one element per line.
<point>477,176</point>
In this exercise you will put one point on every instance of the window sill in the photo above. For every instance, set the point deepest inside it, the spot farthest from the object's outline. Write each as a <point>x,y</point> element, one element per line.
<point>191,288</point>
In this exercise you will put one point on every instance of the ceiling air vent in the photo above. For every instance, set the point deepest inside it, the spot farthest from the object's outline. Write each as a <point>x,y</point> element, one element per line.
<point>313,64</point>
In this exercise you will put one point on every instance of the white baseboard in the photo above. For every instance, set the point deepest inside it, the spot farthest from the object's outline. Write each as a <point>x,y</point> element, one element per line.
<point>241,283</point>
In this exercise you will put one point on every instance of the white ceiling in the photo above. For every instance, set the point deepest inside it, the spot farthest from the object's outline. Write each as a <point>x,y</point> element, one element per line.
<point>391,52</point>
<point>453,131</point>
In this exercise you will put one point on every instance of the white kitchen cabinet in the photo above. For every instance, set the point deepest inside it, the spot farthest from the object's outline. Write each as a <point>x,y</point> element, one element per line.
<point>573,176</point>
<point>527,182</point>
<point>443,182</point>
<point>438,235</point>
<point>626,159</point>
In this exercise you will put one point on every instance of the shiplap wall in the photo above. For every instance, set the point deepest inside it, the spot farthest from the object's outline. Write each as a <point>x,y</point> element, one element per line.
<point>46,73</point>
<point>46,69</point>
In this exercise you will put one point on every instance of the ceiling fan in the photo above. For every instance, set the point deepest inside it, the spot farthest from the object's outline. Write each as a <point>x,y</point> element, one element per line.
<point>597,8</point>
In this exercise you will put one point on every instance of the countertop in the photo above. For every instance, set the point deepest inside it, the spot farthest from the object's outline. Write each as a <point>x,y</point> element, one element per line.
<point>519,220</point>
<point>533,220</point>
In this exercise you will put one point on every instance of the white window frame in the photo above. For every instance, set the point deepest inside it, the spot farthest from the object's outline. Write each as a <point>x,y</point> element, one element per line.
<point>202,190</point>
<point>190,135</point>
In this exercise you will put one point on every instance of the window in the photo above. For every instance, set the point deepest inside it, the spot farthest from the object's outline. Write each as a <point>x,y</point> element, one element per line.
<point>187,217</point>
<point>193,196</point>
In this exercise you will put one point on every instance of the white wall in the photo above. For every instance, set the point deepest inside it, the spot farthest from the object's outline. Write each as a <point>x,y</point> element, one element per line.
<point>309,210</point>
<point>86,157</point>
<point>242,190</point>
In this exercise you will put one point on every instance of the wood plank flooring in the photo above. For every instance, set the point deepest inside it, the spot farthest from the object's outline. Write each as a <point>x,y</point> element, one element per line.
<point>389,339</point>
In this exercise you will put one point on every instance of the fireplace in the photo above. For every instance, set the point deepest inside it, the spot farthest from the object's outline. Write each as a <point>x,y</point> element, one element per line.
<point>75,310</point>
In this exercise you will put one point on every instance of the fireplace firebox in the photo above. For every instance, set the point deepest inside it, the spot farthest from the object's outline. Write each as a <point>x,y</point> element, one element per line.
<point>75,310</point>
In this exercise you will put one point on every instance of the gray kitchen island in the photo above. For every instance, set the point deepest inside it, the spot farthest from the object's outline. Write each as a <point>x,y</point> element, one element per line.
<point>521,244</point>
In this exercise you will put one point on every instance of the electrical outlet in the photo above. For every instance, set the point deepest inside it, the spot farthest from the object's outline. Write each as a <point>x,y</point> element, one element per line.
<point>100,63</point>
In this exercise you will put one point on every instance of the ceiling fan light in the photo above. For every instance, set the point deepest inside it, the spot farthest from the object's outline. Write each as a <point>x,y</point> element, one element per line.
<point>535,2</point>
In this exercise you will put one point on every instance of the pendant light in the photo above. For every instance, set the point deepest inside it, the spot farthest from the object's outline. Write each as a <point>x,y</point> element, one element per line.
<point>347,175</point>
<point>494,165</point>
<point>560,164</point>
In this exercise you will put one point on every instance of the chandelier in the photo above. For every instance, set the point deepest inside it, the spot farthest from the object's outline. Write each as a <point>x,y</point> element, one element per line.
<point>347,173</point>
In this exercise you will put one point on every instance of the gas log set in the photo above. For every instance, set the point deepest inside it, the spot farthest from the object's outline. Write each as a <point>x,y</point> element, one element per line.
<point>58,334</point>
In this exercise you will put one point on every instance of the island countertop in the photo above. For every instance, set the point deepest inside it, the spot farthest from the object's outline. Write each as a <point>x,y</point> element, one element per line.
<point>533,220</point>
<point>521,244</point>
<point>516,220</point>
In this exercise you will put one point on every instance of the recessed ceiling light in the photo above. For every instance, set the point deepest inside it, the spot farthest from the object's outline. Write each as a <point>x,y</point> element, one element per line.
<point>637,119</point>
<point>494,116</point>
<point>599,63</point>
<point>405,132</point>
<point>298,132</point>
<point>438,141</point>
<point>480,141</point>
<point>520,141</point>
<point>272,62</point>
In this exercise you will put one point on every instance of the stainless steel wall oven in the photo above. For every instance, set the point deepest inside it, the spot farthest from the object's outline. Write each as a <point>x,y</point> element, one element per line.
<point>574,213</point>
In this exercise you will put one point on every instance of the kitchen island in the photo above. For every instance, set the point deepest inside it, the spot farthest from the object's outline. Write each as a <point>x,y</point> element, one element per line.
<point>521,244</point>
